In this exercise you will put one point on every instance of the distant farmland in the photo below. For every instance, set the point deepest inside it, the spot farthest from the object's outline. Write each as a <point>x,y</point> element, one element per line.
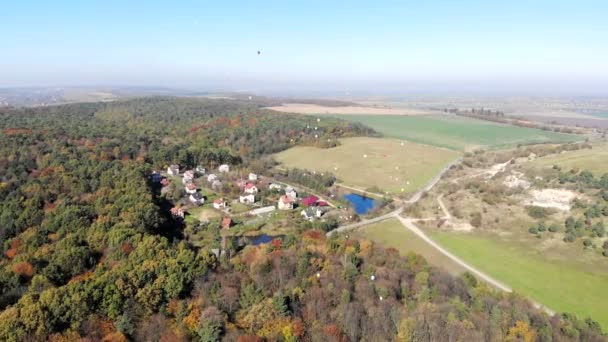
<point>390,165</point>
<point>456,133</point>
<point>594,160</point>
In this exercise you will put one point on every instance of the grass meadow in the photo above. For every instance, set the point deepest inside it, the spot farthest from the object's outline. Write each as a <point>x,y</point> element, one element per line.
<point>388,164</point>
<point>561,286</point>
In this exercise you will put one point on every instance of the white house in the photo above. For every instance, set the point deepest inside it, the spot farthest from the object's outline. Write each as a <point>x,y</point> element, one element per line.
<point>211,177</point>
<point>224,168</point>
<point>285,203</point>
<point>191,188</point>
<point>247,198</point>
<point>200,170</point>
<point>253,177</point>
<point>173,170</point>
<point>219,203</point>
<point>188,176</point>
<point>274,186</point>
<point>196,198</point>
<point>250,188</point>
<point>311,212</point>
<point>291,192</point>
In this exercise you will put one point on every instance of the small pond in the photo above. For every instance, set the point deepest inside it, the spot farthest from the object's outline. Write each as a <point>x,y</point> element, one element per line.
<point>259,239</point>
<point>361,204</point>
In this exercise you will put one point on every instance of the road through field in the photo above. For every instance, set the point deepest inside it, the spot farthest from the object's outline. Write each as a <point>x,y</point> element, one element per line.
<point>408,223</point>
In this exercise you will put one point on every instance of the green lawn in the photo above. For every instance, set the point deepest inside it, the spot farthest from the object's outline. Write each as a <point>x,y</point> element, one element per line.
<point>454,132</point>
<point>560,286</point>
<point>391,233</point>
<point>594,160</point>
<point>388,164</point>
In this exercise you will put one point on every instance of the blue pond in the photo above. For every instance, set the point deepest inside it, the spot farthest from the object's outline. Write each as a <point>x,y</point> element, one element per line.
<point>361,204</point>
<point>264,238</point>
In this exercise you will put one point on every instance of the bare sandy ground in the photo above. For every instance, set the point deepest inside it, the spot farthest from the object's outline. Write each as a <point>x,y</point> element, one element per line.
<point>303,108</point>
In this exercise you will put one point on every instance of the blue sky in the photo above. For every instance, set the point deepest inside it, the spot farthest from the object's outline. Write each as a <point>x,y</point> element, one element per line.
<point>508,45</point>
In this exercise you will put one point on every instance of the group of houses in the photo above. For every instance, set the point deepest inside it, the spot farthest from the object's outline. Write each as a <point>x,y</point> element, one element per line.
<point>312,206</point>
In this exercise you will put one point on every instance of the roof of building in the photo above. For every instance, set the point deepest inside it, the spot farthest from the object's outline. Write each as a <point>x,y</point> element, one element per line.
<point>191,186</point>
<point>286,199</point>
<point>310,201</point>
<point>219,201</point>
<point>197,196</point>
<point>226,222</point>
<point>249,185</point>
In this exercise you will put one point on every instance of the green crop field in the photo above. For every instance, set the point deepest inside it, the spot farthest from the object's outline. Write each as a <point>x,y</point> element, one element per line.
<point>454,132</point>
<point>387,164</point>
<point>561,286</point>
<point>594,160</point>
<point>391,233</point>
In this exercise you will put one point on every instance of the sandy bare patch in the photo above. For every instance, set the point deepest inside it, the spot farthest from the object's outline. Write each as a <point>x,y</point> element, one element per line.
<point>552,198</point>
<point>304,108</point>
<point>515,180</point>
<point>459,226</point>
<point>495,169</point>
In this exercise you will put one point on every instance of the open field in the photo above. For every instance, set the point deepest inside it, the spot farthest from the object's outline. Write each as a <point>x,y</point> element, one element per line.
<point>373,162</point>
<point>559,285</point>
<point>594,160</point>
<point>304,108</point>
<point>391,233</point>
<point>456,133</point>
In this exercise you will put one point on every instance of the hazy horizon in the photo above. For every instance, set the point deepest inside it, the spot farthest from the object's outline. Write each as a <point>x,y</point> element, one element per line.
<point>472,47</point>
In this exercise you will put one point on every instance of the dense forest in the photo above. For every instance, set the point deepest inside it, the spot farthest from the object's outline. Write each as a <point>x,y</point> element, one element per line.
<point>89,254</point>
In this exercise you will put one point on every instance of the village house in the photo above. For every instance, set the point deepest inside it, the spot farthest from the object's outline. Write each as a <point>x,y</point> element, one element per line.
<point>226,223</point>
<point>173,170</point>
<point>219,203</point>
<point>156,177</point>
<point>285,203</point>
<point>274,186</point>
<point>211,177</point>
<point>165,182</point>
<point>253,177</point>
<point>191,188</point>
<point>291,192</point>
<point>247,198</point>
<point>196,198</point>
<point>177,212</point>
<point>224,168</point>
<point>310,201</point>
<point>188,176</point>
<point>311,213</point>
<point>250,188</point>
<point>200,170</point>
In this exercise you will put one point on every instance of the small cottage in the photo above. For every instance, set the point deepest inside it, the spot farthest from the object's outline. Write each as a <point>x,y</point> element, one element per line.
<point>177,212</point>
<point>247,198</point>
<point>310,201</point>
<point>311,213</point>
<point>253,177</point>
<point>226,223</point>
<point>173,170</point>
<point>291,192</point>
<point>285,203</point>
<point>188,176</point>
<point>250,188</point>
<point>196,198</point>
<point>191,188</point>
<point>211,177</point>
<point>219,203</point>
<point>224,168</point>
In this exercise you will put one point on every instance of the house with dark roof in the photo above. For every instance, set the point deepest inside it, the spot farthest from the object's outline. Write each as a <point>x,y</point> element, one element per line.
<point>196,198</point>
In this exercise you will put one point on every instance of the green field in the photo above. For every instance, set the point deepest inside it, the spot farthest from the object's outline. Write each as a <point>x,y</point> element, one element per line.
<point>594,160</point>
<point>373,162</point>
<point>391,233</point>
<point>563,287</point>
<point>454,132</point>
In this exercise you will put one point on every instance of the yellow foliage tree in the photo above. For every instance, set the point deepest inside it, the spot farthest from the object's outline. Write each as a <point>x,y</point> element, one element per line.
<point>521,331</point>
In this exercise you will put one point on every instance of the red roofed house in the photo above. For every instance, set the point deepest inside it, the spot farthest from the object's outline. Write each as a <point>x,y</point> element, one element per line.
<point>250,188</point>
<point>310,201</point>
<point>285,203</point>
<point>177,212</point>
<point>219,203</point>
<point>191,188</point>
<point>322,204</point>
<point>226,223</point>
